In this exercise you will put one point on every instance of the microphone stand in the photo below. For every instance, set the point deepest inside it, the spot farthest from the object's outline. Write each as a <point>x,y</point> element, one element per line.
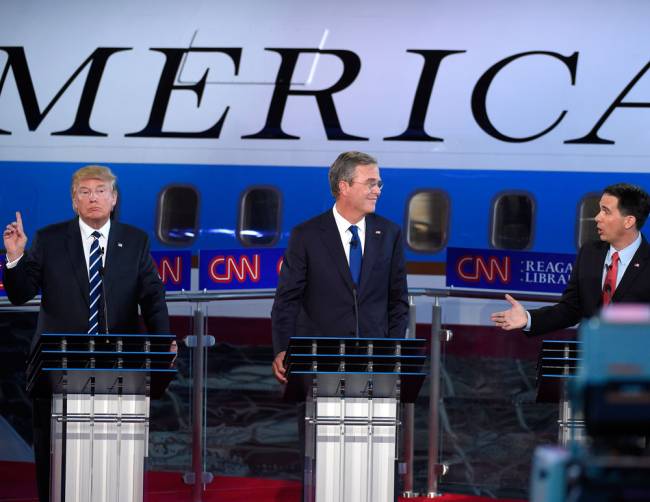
<point>104,304</point>
<point>356,311</point>
<point>353,244</point>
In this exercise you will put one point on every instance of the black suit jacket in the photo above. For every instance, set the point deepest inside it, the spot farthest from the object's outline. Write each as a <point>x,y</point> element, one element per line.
<point>55,265</point>
<point>314,296</point>
<point>582,297</point>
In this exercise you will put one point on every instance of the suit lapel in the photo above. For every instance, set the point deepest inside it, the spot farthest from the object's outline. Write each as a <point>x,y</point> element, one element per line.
<point>77,259</point>
<point>638,263</point>
<point>332,241</point>
<point>595,284</point>
<point>113,247</point>
<point>370,249</point>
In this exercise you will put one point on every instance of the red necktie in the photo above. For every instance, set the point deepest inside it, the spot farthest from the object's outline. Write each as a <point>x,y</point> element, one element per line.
<point>610,281</point>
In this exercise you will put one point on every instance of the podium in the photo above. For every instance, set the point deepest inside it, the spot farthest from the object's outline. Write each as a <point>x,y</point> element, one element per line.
<point>100,387</point>
<point>352,388</point>
<point>556,367</point>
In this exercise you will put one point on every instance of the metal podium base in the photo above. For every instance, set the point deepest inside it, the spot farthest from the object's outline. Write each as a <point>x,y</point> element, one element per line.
<point>355,449</point>
<point>571,424</point>
<point>98,447</point>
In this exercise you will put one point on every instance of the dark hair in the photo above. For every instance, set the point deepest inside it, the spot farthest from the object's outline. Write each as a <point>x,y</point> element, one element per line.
<point>632,201</point>
<point>344,168</point>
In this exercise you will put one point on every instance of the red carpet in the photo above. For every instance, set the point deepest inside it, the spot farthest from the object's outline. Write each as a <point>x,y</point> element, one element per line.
<point>17,485</point>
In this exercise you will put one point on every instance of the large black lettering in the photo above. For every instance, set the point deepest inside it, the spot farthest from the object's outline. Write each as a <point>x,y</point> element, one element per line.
<point>273,127</point>
<point>479,95</point>
<point>415,129</point>
<point>166,86</point>
<point>81,126</point>
<point>592,137</point>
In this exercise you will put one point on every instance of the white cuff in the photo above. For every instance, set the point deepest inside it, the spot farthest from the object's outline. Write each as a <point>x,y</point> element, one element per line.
<point>12,264</point>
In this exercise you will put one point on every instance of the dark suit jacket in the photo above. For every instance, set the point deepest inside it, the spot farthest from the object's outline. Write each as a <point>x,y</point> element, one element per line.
<point>582,297</point>
<point>55,265</point>
<point>314,296</point>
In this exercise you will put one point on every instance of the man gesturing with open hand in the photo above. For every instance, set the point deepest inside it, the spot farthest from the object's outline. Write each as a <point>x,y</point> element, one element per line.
<point>613,269</point>
<point>514,318</point>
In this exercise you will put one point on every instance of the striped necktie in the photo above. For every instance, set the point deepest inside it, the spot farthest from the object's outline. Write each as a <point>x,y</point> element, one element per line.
<point>95,284</point>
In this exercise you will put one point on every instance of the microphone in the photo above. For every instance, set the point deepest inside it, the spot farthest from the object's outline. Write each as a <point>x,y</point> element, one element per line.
<point>101,274</point>
<point>356,312</point>
<point>607,287</point>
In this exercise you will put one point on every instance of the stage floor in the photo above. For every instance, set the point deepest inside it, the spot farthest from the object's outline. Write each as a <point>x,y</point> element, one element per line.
<point>17,485</point>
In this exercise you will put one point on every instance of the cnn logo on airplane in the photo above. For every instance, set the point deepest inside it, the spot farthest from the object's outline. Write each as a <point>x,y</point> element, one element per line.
<point>225,269</point>
<point>489,269</point>
<point>170,269</point>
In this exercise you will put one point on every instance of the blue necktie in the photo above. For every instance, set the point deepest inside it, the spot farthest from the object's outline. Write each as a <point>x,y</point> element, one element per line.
<point>95,284</point>
<point>356,256</point>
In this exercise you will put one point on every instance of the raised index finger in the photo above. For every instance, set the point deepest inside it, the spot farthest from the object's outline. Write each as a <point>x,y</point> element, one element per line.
<point>19,221</point>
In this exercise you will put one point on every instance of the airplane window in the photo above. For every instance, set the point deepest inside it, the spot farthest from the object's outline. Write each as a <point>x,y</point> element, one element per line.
<point>259,217</point>
<point>512,221</point>
<point>427,221</point>
<point>587,211</point>
<point>178,214</point>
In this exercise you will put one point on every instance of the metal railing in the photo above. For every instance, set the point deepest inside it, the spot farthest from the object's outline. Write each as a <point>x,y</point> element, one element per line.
<point>199,341</point>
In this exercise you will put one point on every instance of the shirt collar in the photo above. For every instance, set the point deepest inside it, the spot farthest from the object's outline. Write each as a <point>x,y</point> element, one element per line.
<point>87,230</point>
<point>625,255</point>
<point>344,225</point>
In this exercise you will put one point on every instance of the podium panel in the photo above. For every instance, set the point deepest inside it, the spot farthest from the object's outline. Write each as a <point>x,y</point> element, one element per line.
<point>353,388</point>
<point>100,454</point>
<point>556,367</point>
<point>355,445</point>
<point>100,387</point>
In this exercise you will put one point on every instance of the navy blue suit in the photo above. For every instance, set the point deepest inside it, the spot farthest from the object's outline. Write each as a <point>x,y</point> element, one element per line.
<point>582,297</point>
<point>314,296</point>
<point>56,266</point>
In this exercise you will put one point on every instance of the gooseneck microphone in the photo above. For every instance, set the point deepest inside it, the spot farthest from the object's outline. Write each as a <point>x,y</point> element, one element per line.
<point>607,287</point>
<point>356,311</point>
<point>104,304</point>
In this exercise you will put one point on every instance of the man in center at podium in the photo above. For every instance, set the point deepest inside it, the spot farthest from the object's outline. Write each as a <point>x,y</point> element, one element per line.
<point>343,273</point>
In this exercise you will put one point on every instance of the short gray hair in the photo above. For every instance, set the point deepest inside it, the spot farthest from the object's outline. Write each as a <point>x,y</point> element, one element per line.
<point>344,168</point>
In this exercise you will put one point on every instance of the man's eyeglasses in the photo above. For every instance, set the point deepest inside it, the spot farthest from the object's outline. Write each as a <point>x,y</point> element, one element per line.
<point>370,184</point>
<point>100,192</point>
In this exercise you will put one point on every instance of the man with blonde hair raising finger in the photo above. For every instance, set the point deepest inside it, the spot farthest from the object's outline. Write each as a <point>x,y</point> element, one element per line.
<point>74,264</point>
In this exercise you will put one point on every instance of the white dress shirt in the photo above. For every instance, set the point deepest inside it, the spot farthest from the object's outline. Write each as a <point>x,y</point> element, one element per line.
<point>87,239</point>
<point>343,226</point>
<point>625,256</point>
